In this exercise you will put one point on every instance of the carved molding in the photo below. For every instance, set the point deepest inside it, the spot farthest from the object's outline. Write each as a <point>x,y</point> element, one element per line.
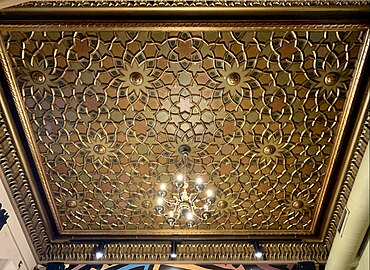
<point>19,186</point>
<point>181,26</point>
<point>349,180</point>
<point>189,252</point>
<point>195,3</point>
<point>357,154</point>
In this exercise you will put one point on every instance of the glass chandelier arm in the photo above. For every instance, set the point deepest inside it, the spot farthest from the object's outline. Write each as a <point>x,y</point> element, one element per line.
<point>161,201</point>
<point>196,216</point>
<point>179,194</point>
<point>199,208</point>
<point>194,197</point>
<point>169,203</point>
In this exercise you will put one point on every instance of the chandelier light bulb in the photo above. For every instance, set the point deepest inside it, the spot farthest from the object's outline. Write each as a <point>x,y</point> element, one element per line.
<point>162,186</point>
<point>171,214</point>
<point>209,193</point>
<point>159,201</point>
<point>189,216</point>
<point>180,177</point>
<point>199,181</point>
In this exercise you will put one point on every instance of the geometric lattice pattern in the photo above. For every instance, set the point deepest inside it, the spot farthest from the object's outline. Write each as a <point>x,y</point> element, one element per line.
<point>108,111</point>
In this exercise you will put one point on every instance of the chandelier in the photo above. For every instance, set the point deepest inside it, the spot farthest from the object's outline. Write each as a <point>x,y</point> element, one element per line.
<point>191,202</point>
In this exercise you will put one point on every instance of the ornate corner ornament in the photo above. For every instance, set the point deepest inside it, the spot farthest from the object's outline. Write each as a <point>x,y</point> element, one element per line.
<point>19,179</point>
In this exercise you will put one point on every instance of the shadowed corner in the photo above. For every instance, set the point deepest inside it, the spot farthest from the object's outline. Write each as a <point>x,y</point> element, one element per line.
<point>3,217</point>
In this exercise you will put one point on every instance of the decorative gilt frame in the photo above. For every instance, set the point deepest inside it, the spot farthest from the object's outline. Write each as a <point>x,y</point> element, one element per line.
<point>338,11</point>
<point>17,170</point>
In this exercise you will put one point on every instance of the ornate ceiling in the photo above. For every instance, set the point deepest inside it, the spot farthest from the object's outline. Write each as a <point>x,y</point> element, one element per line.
<point>93,116</point>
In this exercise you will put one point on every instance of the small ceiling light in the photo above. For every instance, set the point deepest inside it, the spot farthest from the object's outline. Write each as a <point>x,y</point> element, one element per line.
<point>259,254</point>
<point>99,252</point>
<point>173,249</point>
<point>257,250</point>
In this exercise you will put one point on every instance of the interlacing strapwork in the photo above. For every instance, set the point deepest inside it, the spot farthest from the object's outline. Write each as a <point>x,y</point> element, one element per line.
<point>109,110</point>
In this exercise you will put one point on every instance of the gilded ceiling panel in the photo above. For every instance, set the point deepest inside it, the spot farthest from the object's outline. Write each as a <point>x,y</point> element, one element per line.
<point>108,110</point>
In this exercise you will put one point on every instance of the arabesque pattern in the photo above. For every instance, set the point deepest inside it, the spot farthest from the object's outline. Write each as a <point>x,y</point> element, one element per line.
<point>109,110</point>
